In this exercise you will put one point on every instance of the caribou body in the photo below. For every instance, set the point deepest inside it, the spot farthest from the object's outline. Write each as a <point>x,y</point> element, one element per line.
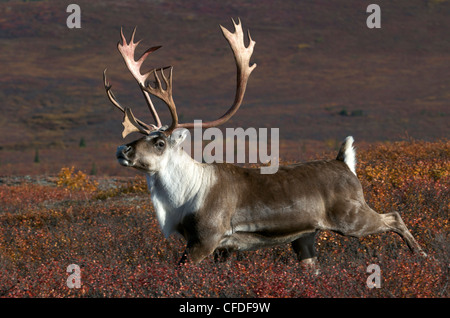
<point>221,207</point>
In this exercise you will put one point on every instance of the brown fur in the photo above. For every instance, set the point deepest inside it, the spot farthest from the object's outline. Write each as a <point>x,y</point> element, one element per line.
<point>289,206</point>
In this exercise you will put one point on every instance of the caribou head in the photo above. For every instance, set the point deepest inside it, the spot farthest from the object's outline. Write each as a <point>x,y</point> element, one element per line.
<point>147,153</point>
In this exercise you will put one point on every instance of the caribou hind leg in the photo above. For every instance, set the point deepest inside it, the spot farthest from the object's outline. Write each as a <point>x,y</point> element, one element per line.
<point>360,220</point>
<point>396,224</point>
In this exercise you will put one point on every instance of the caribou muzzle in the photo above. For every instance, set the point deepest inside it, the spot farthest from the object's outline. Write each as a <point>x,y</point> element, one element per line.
<point>124,155</point>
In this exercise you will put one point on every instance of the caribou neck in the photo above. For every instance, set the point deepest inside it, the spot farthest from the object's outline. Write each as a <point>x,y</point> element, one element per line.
<point>179,189</point>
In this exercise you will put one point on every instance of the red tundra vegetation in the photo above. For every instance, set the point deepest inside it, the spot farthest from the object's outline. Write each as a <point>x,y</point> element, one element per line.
<point>109,229</point>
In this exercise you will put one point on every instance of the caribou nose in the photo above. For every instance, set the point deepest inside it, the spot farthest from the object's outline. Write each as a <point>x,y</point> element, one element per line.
<point>124,149</point>
<point>122,155</point>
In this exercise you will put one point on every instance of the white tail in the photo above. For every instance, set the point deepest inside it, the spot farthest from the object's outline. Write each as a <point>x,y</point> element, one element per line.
<point>347,154</point>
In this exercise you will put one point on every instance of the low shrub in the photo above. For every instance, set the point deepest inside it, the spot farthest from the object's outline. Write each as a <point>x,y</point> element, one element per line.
<point>122,253</point>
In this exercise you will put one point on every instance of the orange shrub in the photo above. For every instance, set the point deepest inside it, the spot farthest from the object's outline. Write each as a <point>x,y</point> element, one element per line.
<point>75,181</point>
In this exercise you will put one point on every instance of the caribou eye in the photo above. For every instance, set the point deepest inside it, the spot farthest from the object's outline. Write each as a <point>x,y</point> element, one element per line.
<point>160,144</point>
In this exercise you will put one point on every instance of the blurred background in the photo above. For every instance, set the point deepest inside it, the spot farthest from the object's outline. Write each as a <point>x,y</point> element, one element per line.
<point>322,75</point>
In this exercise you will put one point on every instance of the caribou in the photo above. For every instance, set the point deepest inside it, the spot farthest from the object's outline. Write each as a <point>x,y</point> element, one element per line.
<point>220,207</point>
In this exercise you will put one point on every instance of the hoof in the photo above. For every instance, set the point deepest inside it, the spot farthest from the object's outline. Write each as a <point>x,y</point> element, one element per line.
<point>309,265</point>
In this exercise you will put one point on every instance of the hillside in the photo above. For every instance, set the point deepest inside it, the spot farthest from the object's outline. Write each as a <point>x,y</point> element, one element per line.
<point>321,75</point>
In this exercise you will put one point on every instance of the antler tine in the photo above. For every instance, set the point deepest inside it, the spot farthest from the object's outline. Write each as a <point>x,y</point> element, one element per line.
<point>242,55</point>
<point>130,123</point>
<point>165,95</point>
<point>110,94</point>
<point>127,50</point>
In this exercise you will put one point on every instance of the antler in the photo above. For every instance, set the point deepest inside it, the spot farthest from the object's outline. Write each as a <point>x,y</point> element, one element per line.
<point>165,95</point>
<point>127,52</point>
<point>242,55</point>
<point>130,123</point>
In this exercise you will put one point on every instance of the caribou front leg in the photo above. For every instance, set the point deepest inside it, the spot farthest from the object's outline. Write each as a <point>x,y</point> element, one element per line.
<point>183,258</point>
<point>196,252</point>
<point>221,255</point>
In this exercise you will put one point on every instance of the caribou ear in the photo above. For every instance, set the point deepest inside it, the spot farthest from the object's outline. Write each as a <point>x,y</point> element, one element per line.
<point>178,136</point>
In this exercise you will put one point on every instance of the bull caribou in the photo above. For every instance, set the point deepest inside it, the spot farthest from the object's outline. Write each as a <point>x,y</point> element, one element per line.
<point>221,207</point>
